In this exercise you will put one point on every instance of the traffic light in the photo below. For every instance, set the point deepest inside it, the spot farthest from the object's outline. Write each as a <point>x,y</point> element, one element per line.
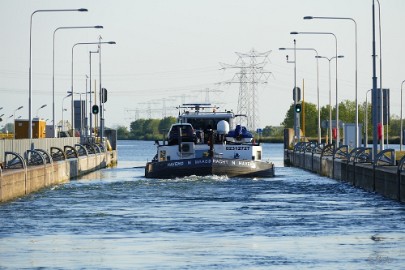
<point>94,109</point>
<point>298,107</point>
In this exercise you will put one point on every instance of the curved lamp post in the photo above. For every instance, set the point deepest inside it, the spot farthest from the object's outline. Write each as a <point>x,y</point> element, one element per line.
<point>295,94</point>
<point>336,56</point>
<point>43,106</point>
<point>317,84</point>
<point>30,62</point>
<point>63,123</point>
<point>83,43</point>
<point>7,122</point>
<point>355,73</point>
<point>53,63</point>
<point>330,94</point>
<point>19,108</point>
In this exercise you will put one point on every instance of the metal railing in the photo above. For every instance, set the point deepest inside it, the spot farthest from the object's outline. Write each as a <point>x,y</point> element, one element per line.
<point>20,146</point>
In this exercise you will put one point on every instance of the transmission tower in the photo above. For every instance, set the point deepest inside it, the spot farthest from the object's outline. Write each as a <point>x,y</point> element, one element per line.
<point>165,107</point>
<point>183,97</point>
<point>136,113</point>
<point>149,109</point>
<point>207,93</point>
<point>251,73</point>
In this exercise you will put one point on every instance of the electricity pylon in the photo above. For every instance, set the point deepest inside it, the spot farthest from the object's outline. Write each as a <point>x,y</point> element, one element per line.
<point>251,73</point>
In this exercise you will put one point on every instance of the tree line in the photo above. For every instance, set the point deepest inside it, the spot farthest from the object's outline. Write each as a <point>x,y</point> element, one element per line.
<point>156,129</point>
<point>146,129</point>
<point>347,114</point>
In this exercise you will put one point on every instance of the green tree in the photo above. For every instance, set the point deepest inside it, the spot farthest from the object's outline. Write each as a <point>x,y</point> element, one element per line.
<point>311,118</point>
<point>394,127</point>
<point>151,126</point>
<point>266,132</point>
<point>289,118</point>
<point>122,133</point>
<point>166,123</point>
<point>273,131</point>
<point>136,128</point>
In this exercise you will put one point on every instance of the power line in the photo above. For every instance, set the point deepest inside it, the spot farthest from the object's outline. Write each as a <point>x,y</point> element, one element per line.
<point>251,74</point>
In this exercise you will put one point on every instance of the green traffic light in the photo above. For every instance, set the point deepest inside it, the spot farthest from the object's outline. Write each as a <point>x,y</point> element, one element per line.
<point>298,108</point>
<point>94,109</point>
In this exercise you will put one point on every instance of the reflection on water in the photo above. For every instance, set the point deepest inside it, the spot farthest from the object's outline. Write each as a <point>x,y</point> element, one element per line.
<point>115,218</point>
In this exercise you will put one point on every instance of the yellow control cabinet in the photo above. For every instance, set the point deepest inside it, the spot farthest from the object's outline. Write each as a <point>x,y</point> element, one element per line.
<point>38,129</point>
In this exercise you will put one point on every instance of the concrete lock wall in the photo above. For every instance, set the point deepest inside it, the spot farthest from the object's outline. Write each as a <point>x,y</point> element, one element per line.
<point>308,161</point>
<point>384,180</point>
<point>16,183</point>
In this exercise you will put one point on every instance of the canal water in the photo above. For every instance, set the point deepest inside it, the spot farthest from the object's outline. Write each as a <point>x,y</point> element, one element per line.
<point>117,219</point>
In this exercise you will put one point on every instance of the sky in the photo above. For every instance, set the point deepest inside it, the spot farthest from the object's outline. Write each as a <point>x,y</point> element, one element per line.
<point>168,52</point>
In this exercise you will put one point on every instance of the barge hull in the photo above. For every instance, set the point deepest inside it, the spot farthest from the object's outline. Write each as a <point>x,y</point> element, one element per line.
<point>208,166</point>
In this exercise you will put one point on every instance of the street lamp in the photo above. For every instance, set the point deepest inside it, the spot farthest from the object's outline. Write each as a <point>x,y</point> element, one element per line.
<point>400,143</point>
<point>381,88</point>
<point>13,115</point>
<point>53,63</point>
<point>374,93</point>
<point>19,108</point>
<point>63,123</point>
<point>317,85</point>
<point>30,62</point>
<point>90,113</point>
<point>295,94</point>
<point>43,106</point>
<point>101,89</point>
<point>355,73</point>
<point>7,122</point>
<point>330,95</point>
<point>336,56</point>
<point>83,43</point>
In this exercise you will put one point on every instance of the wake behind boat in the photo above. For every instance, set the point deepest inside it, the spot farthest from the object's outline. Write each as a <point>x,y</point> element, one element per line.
<point>201,143</point>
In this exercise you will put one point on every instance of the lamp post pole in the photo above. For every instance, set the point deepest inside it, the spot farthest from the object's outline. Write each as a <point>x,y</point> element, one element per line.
<point>85,111</point>
<point>336,56</point>
<point>63,124</point>
<point>295,94</point>
<point>317,85</point>
<point>297,118</point>
<point>90,113</point>
<point>355,73</point>
<point>53,65</point>
<point>101,89</point>
<point>43,106</point>
<point>366,121</point>
<point>374,93</point>
<point>400,143</point>
<point>101,134</point>
<point>7,123</point>
<point>81,43</point>
<point>330,93</point>
<point>19,108</point>
<point>30,64</point>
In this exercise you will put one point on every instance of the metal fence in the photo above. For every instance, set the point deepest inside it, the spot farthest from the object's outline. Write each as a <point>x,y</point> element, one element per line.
<point>21,145</point>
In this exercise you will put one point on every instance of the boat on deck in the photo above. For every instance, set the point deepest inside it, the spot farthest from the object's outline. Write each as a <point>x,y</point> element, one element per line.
<point>202,143</point>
